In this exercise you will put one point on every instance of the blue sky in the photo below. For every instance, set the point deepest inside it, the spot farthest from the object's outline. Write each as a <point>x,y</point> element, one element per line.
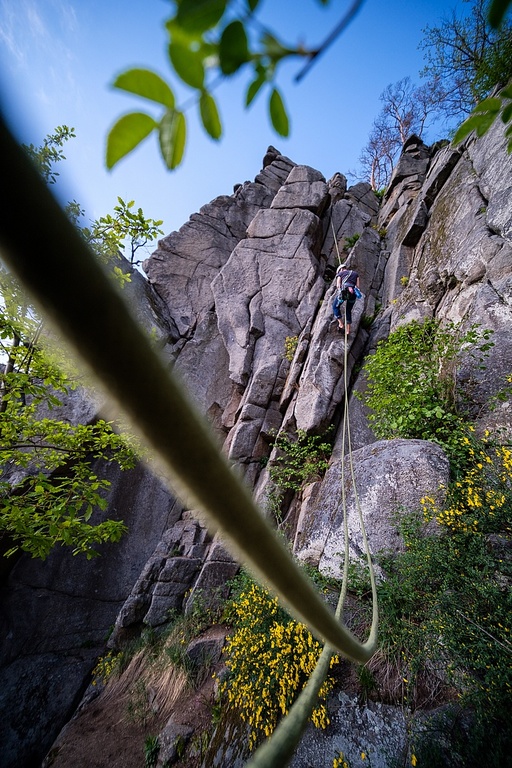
<point>58,59</point>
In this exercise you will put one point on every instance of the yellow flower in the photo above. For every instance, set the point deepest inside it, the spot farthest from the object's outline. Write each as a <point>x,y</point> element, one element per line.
<point>413,759</point>
<point>363,755</point>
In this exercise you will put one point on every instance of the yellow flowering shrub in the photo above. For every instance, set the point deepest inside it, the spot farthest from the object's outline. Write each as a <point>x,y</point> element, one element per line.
<point>290,345</point>
<point>270,658</point>
<point>105,667</point>
<point>446,605</point>
<point>479,499</point>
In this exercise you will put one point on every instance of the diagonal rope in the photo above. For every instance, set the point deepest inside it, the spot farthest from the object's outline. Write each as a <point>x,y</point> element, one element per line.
<point>277,751</point>
<point>335,241</point>
<point>73,290</point>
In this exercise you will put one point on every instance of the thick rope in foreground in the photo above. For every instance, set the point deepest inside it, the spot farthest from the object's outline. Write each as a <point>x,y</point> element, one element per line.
<point>72,289</point>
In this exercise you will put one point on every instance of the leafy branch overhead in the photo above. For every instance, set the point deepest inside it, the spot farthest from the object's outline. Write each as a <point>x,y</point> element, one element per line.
<point>484,115</point>
<point>50,491</point>
<point>212,40</point>
<point>209,40</point>
<point>498,105</point>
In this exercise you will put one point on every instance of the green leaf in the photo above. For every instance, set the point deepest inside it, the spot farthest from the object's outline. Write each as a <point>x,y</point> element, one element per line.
<point>254,88</point>
<point>210,115</point>
<point>233,48</point>
<point>506,115</point>
<point>466,128</point>
<point>497,11</point>
<point>253,4</point>
<point>145,83</point>
<point>200,15</point>
<point>278,114</point>
<point>507,92</point>
<point>124,136</point>
<point>485,123</point>
<point>173,136</point>
<point>187,64</point>
<point>492,104</point>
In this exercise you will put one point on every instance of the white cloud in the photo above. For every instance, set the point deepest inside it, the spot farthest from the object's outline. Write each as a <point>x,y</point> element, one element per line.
<point>39,41</point>
<point>8,31</point>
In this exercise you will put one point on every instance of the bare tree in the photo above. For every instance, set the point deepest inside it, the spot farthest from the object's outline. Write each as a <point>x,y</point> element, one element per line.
<point>406,111</point>
<point>465,58</point>
<point>377,157</point>
<point>408,107</point>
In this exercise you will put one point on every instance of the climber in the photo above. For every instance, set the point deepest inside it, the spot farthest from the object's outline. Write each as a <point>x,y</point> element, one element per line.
<point>347,284</point>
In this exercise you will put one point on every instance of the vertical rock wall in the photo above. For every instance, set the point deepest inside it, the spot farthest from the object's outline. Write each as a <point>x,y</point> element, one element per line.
<point>225,292</point>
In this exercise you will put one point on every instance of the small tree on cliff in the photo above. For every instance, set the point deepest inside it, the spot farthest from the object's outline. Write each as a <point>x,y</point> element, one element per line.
<point>466,58</point>
<point>48,486</point>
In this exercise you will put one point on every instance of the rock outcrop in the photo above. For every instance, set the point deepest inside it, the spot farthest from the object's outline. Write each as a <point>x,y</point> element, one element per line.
<point>247,273</point>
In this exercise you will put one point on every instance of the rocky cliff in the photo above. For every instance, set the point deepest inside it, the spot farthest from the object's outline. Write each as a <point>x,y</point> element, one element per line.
<point>245,274</point>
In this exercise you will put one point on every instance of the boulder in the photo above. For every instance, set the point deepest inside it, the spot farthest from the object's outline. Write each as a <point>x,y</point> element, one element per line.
<point>391,476</point>
<point>377,730</point>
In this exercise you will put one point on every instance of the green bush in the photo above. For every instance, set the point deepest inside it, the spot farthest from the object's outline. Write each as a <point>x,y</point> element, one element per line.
<point>151,751</point>
<point>301,460</point>
<point>412,386</point>
<point>349,242</point>
<point>446,607</point>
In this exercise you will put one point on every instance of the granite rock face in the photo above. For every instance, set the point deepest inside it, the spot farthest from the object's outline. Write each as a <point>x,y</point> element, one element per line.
<point>390,476</point>
<point>240,301</point>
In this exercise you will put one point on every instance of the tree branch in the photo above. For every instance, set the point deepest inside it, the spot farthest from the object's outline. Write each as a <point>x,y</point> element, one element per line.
<point>345,21</point>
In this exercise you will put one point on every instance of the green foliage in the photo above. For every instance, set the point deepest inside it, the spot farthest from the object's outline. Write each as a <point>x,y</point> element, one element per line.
<point>109,235</point>
<point>359,579</point>
<point>446,604</point>
<point>484,115</point>
<point>412,388</point>
<point>466,58</point>
<point>495,69</point>
<point>48,489</point>
<point>112,233</point>
<point>349,242</point>
<point>50,152</point>
<point>151,751</point>
<point>301,460</point>
<point>208,41</point>
<point>471,58</point>
<point>366,680</point>
<point>325,584</point>
<point>367,321</point>
<point>270,658</point>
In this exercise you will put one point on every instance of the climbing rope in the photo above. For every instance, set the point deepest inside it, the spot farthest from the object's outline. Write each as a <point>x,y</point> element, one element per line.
<point>335,242</point>
<point>277,751</point>
<point>74,292</point>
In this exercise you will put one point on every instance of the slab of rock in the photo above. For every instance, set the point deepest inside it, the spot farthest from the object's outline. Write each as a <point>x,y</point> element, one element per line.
<point>390,476</point>
<point>378,730</point>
